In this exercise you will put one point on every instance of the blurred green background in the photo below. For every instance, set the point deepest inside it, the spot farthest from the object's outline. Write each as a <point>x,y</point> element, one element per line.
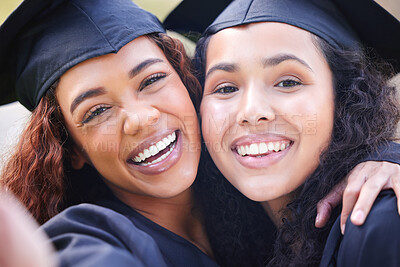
<point>160,8</point>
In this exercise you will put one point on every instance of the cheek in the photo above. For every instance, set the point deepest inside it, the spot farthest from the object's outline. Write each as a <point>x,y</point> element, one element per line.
<point>214,122</point>
<point>315,126</point>
<point>101,142</point>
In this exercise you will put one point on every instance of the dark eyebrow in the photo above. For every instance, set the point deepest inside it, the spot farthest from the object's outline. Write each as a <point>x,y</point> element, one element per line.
<point>276,60</point>
<point>85,95</point>
<point>135,71</point>
<point>222,66</point>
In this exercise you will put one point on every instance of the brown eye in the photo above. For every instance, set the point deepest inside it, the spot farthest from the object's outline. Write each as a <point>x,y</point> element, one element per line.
<point>91,114</point>
<point>152,79</point>
<point>225,90</point>
<point>288,83</point>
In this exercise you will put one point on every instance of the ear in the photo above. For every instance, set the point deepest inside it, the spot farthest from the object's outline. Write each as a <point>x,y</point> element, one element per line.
<point>77,158</point>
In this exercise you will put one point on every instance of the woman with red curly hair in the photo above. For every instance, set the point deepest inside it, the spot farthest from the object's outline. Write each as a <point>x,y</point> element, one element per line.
<point>113,126</point>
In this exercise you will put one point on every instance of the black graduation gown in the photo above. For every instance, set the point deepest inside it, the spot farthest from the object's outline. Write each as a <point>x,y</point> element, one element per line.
<point>113,234</point>
<point>376,243</point>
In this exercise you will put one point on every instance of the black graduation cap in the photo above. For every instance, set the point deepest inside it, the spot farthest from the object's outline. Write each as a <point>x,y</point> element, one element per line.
<point>194,15</point>
<point>343,23</point>
<point>42,39</point>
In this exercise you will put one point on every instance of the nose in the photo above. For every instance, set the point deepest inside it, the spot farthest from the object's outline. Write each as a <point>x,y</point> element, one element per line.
<point>140,118</point>
<point>255,107</point>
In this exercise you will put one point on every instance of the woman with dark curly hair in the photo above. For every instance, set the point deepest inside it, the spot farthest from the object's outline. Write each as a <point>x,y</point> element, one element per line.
<point>291,104</point>
<point>113,125</point>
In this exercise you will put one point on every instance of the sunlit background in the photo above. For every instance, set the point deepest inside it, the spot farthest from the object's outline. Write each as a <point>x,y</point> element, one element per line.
<point>160,8</point>
<point>13,116</point>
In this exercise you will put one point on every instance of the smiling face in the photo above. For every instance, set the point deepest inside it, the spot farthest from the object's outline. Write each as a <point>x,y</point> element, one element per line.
<point>132,119</point>
<point>268,107</point>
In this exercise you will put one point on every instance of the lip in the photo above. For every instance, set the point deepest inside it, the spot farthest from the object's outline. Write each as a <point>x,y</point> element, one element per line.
<point>163,165</point>
<point>266,160</point>
<point>149,142</point>
<point>258,138</point>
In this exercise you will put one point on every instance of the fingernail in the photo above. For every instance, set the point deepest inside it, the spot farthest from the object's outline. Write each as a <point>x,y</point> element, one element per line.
<point>317,218</point>
<point>357,217</point>
<point>342,228</point>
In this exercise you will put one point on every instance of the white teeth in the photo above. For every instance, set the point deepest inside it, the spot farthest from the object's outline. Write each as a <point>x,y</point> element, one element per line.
<point>253,149</point>
<point>270,146</point>
<point>155,149</point>
<point>283,146</point>
<point>160,145</point>
<point>171,137</point>
<point>261,148</point>
<point>160,158</point>
<point>277,146</point>
<point>146,153</point>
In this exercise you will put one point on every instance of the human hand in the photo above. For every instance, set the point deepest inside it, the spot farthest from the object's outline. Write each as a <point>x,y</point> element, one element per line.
<point>359,190</point>
<point>22,244</point>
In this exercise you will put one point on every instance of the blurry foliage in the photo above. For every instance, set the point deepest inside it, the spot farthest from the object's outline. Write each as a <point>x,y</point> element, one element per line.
<point>160,8</point>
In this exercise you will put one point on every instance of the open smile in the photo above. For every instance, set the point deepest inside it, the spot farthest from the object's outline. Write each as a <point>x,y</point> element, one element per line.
<point>159,156</point>
<point>261,154</point>
<point>262,149</point>
<point>155,153</point>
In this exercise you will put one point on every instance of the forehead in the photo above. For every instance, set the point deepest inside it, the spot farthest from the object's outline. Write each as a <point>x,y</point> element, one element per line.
<point>260,38</point>
<point>132,53</point>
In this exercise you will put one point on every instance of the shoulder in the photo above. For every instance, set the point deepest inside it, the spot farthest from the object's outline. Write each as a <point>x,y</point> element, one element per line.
<point>377,242</point>
<point>85,216</point>
<point>93,235</point>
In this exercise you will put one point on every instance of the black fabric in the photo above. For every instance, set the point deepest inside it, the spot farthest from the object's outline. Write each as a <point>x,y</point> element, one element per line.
<point>113,234</point>
<point>42,39</point>
<point>194,15</point>
<point>389,152</point>
<point>341,23</point>
<point>374,26</point>
<point>375,243</point>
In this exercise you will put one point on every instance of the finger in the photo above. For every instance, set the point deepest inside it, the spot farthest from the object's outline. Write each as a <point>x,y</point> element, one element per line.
<point>369,192</point>
<point>330,201</point>
<point>324,211</point>
<point>396,188</point>
<point>356,180</point>
<point>394,181</point>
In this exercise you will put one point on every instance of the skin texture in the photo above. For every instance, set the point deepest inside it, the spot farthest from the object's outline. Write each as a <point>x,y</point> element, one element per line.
<point>130,116</point>
<point>248,99</point>
<point>129,111</point>
<point>22,243</point>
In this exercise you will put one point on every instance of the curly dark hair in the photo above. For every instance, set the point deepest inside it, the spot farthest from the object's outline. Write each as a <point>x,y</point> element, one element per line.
<point>366,117</point>
<point>39,171</point>
<point>240,231</point>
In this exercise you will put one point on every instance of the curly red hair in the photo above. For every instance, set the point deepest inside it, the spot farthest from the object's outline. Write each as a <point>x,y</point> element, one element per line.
<point>36,172</point>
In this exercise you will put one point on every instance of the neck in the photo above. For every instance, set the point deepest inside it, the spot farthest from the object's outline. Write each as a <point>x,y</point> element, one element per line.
<point>177,214</point>
<point>274,207</point>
